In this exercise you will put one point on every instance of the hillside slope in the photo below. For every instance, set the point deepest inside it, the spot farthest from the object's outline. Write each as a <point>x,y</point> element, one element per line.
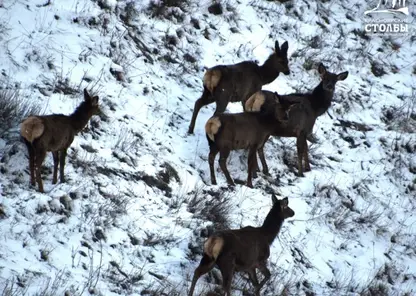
<point>137,205</point>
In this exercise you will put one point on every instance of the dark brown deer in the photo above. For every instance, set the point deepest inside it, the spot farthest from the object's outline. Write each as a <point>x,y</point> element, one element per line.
<point>245,249</point>
<point>226,132</point>
<point>55,133</point>
<point>301,110</point>
<point>236,83</point>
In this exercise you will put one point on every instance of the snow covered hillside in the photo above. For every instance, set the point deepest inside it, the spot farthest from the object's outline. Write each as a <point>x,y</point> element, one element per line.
<point>138,204</point>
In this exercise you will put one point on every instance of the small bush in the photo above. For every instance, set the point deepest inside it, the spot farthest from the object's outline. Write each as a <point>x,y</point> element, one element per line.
<point>217,209</point>
<point>377,69</point>
<point>126,140</point>
<point>402,117</point>
<point>376,289</point>
<point>14,107</point>
<point>169,9</point>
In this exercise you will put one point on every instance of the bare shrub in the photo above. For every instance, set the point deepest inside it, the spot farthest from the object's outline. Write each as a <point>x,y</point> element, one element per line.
<point>124,282</point>
<point>216,209</point>
<point>49,286</point>
<point>376,288</point>
<point>126,140</point>
<point>402,118</point>
<point>169,9</point>
<point>163,288</point>
<point>114,206</point>
<point>83,160</point>
<point>14,107</point>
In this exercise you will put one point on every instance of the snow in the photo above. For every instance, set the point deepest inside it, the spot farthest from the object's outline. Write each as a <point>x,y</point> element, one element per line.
<point>354,210</point>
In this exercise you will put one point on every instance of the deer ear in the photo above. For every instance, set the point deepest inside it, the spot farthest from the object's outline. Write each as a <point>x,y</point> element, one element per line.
<point>274,199</point>
<point>321,69</point>
<point>284,202</point>
<point>342,76</point>
<point>284,47</point>
<point>86,95</point>
<point>276,47</point>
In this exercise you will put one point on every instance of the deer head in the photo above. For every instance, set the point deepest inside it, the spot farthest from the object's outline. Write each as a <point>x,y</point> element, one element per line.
<point>282,207</point>
<point>330,79</point>
<point>92,103</point>
<point>281,61</point>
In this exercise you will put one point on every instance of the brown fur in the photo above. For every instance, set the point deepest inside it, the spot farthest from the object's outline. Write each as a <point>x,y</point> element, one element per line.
<point>211,79</point>
<point>32,128</point>
<point>54,133</point>
<point>212,126</point>
<point>237,82</point>
<point>248,130</point>
<point>301,112</point>
<point>213,246</point>
<point>245,249</point>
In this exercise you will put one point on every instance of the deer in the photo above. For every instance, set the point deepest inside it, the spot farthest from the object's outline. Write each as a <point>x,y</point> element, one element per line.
<point>232,131</point>
<point>55,133</point>
<point>232,83</point>
<point>243,250</point>
<point>297,113</point>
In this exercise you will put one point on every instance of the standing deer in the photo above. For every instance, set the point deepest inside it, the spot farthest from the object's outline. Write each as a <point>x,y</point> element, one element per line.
<point>232,83</point>
<point>302,110</point>
<point>245,249</point>
<point>55,133</point>
<point>232,131</point>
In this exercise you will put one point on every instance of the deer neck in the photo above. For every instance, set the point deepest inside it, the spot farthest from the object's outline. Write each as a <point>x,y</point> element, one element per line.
<point>268,71</point>
<point>80,117</point>
<point>321,99</point>
<point>271,227</point>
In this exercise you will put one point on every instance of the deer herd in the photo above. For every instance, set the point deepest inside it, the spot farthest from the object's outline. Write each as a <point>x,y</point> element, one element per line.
<point>265,114</point>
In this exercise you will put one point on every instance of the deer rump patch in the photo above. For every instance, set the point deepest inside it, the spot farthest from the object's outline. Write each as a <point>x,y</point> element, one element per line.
<point>32,128</point>
<point>213,246</point>
<point>211,79</point>
<point>212,126</point>
<point>255,102</point>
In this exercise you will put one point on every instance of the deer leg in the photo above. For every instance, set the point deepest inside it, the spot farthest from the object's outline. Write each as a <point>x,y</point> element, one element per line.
<point>306,157</point>
<point>31,151</point>
<point>204,267</point>
<point>224,153</point>
<point>266,273</point>
<point>211,159</point>
<point>62,157</point>
<point>222,102</point>
<point>300,144</point>
<point>226,266</point>
<point>256,169</point>
<point>204,100</point>
<point>252,165</point>
<point>40,155</point>
<point>263,159</point>
<point>55,166</point>
<point>254,281</point>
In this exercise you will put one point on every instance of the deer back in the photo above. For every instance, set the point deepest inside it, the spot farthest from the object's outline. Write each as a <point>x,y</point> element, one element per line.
<point>243,130</point>
<point>58,132</point>
<point>238,81</point>
<point>249,246</point>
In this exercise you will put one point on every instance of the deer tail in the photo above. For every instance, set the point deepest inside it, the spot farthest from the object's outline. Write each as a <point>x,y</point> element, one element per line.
<point>211,79</point>
<point>213,246</point>
<point>32,128</point>
<point>212,126</point>
<point>254,103</point>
